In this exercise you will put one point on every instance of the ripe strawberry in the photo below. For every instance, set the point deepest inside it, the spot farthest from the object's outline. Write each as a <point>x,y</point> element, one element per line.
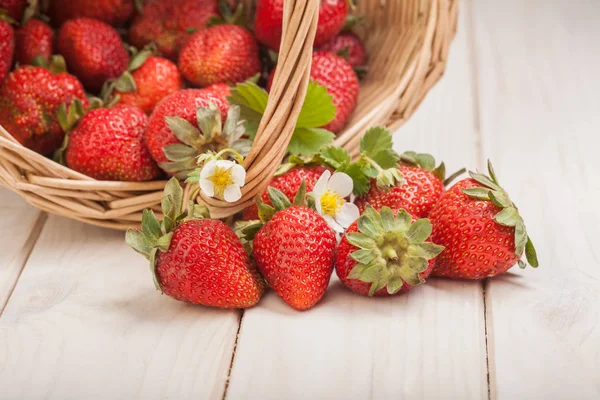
<point>113,12</point>
<point>288,183</point>
<point>200,261</point>
<point>221,54</point>
<point>183,104</point>
<point>108,144</point>
<point>385,253</point>
<point>349,46</point>
<point>7,48</point>
<point>93,50</point>
<point>153,80</point>
<point>422,187</point>
<point>35,38</point>
<point>29,101</point>
<point>14,8</point>
<point>481,228</point>
<point>295,251</point>
<point>268,22</point>
<point>167,23</point>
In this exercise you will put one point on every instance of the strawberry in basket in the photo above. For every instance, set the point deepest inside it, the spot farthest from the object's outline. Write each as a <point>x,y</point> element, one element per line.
<point>30,98</point>
<point>196,259</point>
<point>113,12</point>
<point>7,45</point>
<point>349,46</point>
<point>34,39</point>
<point>13,8</point>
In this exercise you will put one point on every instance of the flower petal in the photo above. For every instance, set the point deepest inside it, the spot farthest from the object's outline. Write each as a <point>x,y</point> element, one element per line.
<point>224,164</point>
<point>232,193</point>
<point>238,174</point>
<point>347,215</point>
<point>333,224</point>
<point>318,204</point>
<point>207,187</point>
<point>341,183</point>
<point>208,170</point>
<point>321,184</point>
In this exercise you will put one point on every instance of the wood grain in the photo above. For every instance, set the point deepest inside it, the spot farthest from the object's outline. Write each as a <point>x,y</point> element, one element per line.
<point>85,322</point>
<point>356,347</point>
<point>538,63</point>
<point>20,224</point>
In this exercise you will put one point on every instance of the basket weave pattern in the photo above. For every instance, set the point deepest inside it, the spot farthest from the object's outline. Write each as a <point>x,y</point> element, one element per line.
<point>408,43</point>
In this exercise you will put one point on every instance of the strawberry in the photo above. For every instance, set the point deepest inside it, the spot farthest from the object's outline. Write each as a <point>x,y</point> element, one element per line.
<point>200,261</point>
<point>182,105</point>
<point>167,23</point>
<point>7,48</point>
<point>35,38</point>
<point>288,183</point>
<point>221,54</point>
<point>386,253</point>
<point>108,144</point>
<point>113,12</point>
<point>268,21</point>
<point>422,187</point>
<point>14,8</point>
<point>93,50</point>
<point>349,46</point>
<point>30,98</point>
<point>294,250</point>
<point>481,228</point>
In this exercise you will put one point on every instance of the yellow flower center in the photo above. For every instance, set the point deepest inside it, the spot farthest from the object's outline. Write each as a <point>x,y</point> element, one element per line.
<point>331,203</point>
<point>221,178</point>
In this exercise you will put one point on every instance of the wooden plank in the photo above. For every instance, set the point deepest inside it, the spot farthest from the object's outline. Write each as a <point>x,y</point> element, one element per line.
<point>20,224</point>
<point>538,66</point>
<point>84,321</point>
<point>427,344</point>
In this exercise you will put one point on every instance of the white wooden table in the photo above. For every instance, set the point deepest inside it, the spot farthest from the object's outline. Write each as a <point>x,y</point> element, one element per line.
<point>79,318</point>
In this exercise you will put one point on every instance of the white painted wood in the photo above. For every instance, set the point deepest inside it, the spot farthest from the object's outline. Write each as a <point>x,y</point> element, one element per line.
<point>19,224</point>
<point>428,344</point>
<point>84,322</point>
<point>538,64</point>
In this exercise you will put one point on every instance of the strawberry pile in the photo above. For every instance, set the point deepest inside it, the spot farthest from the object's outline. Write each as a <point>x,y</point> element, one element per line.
<point>175,61</point>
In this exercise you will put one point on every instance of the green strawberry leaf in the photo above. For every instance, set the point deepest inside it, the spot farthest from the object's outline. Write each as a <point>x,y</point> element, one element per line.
<point>252,100</point>
<point>508,217</point>
<point>359,178</point>
<point>318,109</point>
<point>376,144</point>
<point>308,141</point>
<point>478,193</point>
<point>531,254</point>
<point>150,225</point>
<point>336,157</point>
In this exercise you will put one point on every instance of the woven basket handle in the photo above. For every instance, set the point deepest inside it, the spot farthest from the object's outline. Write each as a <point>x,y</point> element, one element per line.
<point>286,97</point>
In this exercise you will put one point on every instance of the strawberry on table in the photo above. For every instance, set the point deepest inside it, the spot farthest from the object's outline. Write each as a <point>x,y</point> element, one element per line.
<point>93,51</point>
<point>386,253</point>
<point>30,98</point>
<point>221,54</point>
<point>196,259</point>
<point>481,228</point>
<point>34,39</point>
<point>113,12</point>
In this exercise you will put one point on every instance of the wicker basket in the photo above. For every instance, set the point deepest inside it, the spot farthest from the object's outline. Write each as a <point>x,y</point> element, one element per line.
<point>408,44</point>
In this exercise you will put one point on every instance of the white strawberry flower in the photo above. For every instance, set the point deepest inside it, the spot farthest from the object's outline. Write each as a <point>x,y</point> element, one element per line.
<point>330,192</point>
<point>223,179</point>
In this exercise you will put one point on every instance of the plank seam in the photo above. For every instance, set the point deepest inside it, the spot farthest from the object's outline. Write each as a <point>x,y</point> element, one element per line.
<point>237,337</point>
<point>28,247</point>
<point>484,287</point>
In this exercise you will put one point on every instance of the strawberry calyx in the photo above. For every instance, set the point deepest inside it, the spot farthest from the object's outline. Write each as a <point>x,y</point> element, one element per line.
<point>156,234</point>
<point>392,249</point>
<point>210,136</point>
<point>7,18</point>
<point>491,190</point>
<point>56,64</point>
<point>427,162</point>
<point>230,15</point>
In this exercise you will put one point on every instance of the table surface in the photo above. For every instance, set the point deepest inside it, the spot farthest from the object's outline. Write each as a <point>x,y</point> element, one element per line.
<point>79,318</point>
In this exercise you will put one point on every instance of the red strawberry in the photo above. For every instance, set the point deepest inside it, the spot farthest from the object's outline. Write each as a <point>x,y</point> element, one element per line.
<point>294,251</point>
<point>34,39</point>
<point>154,80</point>
<point>200,261</point>
<point>93,50</point>
<point>29,101</point>
<point>482,231</point>
<point>108,144</point>
<point>14,8</point>
<point>288,183</point>
<point>269,21</point>
<point>168,22</point>
<point>7,48</point>
<point>422,187</point>
<point>385,253</point>
<point>113,12</point>
<point>182,104</point>
<point>349,46</point>
<point>221,54</point>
